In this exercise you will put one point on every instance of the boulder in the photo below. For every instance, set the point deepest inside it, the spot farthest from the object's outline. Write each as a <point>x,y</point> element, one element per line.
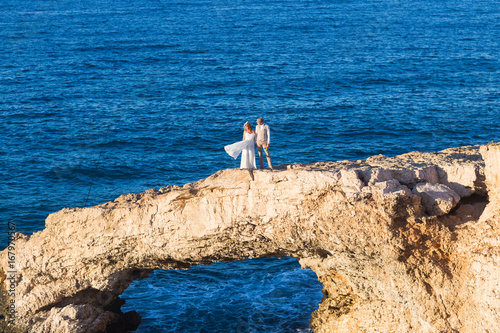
<point>437,199</point>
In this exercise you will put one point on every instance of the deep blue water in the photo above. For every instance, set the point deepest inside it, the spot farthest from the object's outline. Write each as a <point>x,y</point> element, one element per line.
<point>138,94</point>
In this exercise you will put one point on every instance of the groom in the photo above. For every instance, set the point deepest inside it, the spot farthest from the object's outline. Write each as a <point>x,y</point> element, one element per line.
<point>263,140</point>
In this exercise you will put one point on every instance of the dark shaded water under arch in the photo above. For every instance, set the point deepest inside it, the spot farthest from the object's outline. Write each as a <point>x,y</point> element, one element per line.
<point>132,95</point>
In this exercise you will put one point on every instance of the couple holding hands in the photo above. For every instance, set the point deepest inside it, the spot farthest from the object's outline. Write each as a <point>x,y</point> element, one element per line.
<point>259,137</point>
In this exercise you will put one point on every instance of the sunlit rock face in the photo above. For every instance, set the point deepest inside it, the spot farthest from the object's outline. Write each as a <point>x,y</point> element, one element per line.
<point>401,244</point>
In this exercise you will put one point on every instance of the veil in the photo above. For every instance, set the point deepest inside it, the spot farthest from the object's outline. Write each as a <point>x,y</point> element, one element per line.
<point>235,149</point>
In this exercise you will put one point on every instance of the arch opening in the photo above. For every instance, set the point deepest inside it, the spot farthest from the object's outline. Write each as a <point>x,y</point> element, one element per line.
<point>254,295</point>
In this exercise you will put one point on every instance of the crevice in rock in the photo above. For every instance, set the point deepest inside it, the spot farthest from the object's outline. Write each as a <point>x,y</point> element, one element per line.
<point>469,209</point>
<point>128,322</point>
<point>94,297</point>
<point>476,198</point>
<point>106,300</point>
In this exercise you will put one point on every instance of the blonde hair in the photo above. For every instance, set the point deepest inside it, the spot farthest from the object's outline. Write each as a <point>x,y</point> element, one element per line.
<point>248,126</point>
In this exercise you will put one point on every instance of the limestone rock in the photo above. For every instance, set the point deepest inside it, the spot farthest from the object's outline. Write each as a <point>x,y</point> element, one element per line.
<point>390,259</point>
<point>388,187</point>
<point>76,319</point>
<point>491,155</point>
<point>438,199</point>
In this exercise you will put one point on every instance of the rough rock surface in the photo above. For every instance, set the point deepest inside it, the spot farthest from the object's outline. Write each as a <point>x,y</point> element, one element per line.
<point>401,244</point>
<point>437,199</point>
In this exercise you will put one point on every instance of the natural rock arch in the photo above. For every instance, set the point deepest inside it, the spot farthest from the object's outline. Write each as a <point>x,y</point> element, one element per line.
<point>394,241</point>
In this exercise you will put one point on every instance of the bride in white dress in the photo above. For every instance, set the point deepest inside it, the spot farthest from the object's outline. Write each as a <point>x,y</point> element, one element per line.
<point>246,148</point>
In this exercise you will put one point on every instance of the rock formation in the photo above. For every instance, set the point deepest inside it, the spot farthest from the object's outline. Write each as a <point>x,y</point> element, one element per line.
<point>401,244</point>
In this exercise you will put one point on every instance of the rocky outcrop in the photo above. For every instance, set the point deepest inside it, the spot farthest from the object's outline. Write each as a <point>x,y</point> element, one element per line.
<point>401,244</point>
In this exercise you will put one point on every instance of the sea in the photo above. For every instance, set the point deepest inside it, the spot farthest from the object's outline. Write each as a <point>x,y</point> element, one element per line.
<point>104,97</point>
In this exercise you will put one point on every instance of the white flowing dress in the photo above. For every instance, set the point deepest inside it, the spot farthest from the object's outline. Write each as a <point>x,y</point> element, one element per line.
<point>247,150</point>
